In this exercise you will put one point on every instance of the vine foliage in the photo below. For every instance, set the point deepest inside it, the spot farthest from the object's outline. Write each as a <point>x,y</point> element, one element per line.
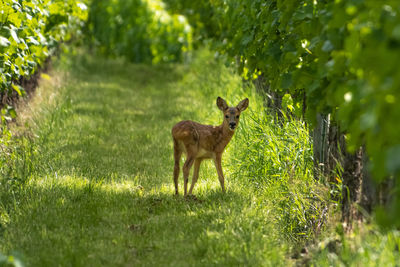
<point>343,55</point>
<point>30,31</point>
<point>139,30</point>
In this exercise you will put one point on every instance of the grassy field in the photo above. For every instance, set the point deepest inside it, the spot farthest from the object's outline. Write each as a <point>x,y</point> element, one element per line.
<point>89,180</point>
<point>86,177</point>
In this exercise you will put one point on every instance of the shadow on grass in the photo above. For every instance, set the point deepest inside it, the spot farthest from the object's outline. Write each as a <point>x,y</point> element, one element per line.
<point>116,122</point>
<point>76,222</point>
<point>84,207</point>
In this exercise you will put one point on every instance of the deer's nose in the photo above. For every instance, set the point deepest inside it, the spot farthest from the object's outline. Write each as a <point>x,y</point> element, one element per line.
<point>232,125</point>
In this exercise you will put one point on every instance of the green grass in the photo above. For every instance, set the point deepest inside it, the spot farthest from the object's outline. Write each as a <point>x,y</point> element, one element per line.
<point>368,245</point>
<point>89,183</point>
<point>86,177</point>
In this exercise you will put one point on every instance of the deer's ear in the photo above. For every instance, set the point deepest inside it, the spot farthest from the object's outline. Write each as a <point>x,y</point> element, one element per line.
<point>243,104</point>
<point>221,104</point>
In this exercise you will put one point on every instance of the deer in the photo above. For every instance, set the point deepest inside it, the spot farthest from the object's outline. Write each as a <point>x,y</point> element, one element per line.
<point>200,142</point>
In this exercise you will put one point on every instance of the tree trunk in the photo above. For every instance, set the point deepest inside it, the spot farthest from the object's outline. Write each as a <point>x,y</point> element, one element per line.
<point>353,177</point>
<point>336,153</point>
<point>332,160</point>
<point>274,100</point>
<point>369,197</point>
<point>320,145</point>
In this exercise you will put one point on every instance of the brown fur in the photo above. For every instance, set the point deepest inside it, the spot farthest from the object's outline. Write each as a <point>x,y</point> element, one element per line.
<point>201,142</point>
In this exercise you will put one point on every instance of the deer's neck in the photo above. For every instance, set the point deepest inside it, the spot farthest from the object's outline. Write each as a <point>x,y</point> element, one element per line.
<point>226,135</point>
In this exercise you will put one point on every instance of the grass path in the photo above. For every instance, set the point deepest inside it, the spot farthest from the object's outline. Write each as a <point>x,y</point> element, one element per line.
<point>101,193</point>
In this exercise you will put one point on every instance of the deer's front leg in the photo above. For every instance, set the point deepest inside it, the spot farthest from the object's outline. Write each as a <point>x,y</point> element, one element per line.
<point>195,174</point>
<point>218,166</point>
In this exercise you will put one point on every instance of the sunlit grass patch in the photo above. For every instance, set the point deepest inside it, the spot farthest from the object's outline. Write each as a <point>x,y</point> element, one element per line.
<point>128,185</point>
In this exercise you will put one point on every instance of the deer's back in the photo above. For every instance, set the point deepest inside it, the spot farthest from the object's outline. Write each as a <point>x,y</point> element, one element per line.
<point>185,131</point>
<point>206,137</point>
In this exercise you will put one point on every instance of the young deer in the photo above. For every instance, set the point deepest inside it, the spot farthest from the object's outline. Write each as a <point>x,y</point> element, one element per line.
<point>201,142</point>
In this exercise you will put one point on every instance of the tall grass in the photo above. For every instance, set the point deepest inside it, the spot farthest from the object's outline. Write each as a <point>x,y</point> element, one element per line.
<point>273,159</point>
<point>273,162</point>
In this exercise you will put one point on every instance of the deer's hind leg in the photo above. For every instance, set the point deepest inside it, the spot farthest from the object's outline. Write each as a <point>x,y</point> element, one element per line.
<point>177,158</point>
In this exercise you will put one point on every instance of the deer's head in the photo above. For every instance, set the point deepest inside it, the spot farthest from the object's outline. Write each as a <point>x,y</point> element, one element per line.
<point>232,114</point>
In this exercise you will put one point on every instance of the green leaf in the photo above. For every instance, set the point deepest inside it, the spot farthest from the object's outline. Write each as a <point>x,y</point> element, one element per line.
<point>286,80</point>
<point>12,113</point>
<point>247,39</point>
<point>18,89</point>
<point>396,32</point>
<point>33,40</point>
<point>14,35</point>
<point>327,46</point>
<point>287,102</point>
<point>393,159</point>
<point>4,42</point>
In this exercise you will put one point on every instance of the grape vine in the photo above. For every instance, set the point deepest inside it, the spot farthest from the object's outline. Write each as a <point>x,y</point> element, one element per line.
<point>343,54</point>
<point>30,31</point>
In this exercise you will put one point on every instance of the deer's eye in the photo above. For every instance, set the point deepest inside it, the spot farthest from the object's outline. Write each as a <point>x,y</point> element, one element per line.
<point>237,116</point>
<point>226,116</point>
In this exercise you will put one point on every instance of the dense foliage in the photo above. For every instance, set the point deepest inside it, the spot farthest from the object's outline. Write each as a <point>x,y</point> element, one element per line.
<point>140,30</point>
<point>29,33</point>
<point>342,54</point>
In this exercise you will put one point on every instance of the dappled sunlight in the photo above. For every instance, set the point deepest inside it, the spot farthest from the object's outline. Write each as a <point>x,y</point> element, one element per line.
<point>102,183</point>
<point>127,185</point>
<point>201,189</point>
<point>106,124</point>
